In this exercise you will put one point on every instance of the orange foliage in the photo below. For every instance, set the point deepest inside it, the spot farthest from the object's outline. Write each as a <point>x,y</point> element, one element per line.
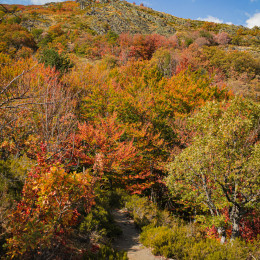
<point>13,37</point>
<point>48,210</point>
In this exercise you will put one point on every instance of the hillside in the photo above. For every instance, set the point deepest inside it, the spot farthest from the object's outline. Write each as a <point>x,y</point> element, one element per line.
<point>93,29</point>
<point>111,111</point>
<point>117,16</point>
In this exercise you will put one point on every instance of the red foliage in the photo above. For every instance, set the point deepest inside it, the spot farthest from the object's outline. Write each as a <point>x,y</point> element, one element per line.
<point>101,148</point>
<point>250,226</point>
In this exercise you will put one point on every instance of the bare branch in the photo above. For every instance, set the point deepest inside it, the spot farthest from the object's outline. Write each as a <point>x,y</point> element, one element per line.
<point>17,77</point>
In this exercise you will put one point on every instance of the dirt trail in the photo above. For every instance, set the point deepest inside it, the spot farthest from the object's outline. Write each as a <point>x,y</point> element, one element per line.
<point>129,241</point>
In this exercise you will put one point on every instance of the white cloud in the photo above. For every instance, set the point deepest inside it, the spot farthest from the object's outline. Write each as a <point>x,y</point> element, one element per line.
<point>253,1</point>
<point>253,21</point>
<point>210,18</point>
<point>213,19</point>
<point>42,2</point>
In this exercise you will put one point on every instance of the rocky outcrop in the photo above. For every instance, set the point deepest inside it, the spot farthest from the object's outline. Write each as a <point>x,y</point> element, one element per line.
<point>124,17</point>
<point>84,3</point>
<point>101,16</point>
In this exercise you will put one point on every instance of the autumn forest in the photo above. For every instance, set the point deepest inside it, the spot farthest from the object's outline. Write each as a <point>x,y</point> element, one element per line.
<point>100,112</point>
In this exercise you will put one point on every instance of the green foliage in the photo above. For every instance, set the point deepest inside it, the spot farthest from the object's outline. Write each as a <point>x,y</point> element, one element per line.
<point>188,41</point>
<point>206,34</point>
<point>144,212</point>
<point>109,61</point>
<point>55,34</point>
<point>233,61</point>
<point>14,20</point>
<point>10,190</point>
<point>52,58</point>
<point>117,198</point>
<point>217,168</point>
<point>12,177</point>
<point>187,242</point>
<point>13,173</point>
<point>165,62</point>
<point>37,33</point>
<point>112,37</point>
<point>99,224</point>
<point>106,253</point>
<point>243,62</point>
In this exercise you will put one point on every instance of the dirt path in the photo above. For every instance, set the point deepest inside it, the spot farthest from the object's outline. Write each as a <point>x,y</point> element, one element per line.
<point>129,241</point>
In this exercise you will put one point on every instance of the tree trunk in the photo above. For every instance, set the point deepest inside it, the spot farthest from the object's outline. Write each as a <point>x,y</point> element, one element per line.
<point>222,234</point>
<point>235,219</point>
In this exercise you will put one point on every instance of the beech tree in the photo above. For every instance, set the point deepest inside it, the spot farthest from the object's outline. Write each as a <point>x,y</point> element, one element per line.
<point>100,148</point>
<point>220,170</point>
<point>48,210</point>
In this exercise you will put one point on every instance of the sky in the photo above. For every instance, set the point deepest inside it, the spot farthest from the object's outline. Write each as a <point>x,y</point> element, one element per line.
<point>238,12</point>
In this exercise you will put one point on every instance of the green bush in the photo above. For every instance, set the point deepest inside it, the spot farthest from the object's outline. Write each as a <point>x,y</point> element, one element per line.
<point>206,34</point>
<point>14,20</point>
<point>52,58</point>
<point>106,253</point>
<point>232,61</point>
<point>144,212</point>
<point>188,41</point>
<point>117,198</point>
<point>112,37</point>
<point>37,33</point>
<point>187,242</point>
<point>99,224</point>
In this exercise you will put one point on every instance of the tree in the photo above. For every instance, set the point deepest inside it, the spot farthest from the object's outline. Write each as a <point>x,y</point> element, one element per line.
<point>35,106</point>
<point>220,170</point>
<point>49,208</point>
<point>101,148</point>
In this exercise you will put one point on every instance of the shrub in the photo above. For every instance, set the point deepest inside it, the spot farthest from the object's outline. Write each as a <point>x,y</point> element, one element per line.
<point>230,62</point>
<point>186,242</point>
<point>144,212</point>
<point>188,41</point>
<point>106,252</point>
<point>206,34</point>
<point>112,37</point>
<point>52,58</point>
<point>24,52</point>
<point>165,62</point>
<point>37,33</point>
<point>43,220</point>
<point>15,19</point>
<point>99,225</point>
<point>201,41</point>
<point>13,37</point>
<point>222,38</point>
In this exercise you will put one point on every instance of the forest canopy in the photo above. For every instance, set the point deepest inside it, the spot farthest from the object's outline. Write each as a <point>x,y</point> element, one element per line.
<point>95,117</point>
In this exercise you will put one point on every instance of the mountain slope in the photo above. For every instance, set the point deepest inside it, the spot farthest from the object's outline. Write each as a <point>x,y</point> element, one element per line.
<point>117,16</point>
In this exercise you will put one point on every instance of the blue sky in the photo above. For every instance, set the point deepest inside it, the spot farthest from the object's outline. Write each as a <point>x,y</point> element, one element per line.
<point>239,12</point>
